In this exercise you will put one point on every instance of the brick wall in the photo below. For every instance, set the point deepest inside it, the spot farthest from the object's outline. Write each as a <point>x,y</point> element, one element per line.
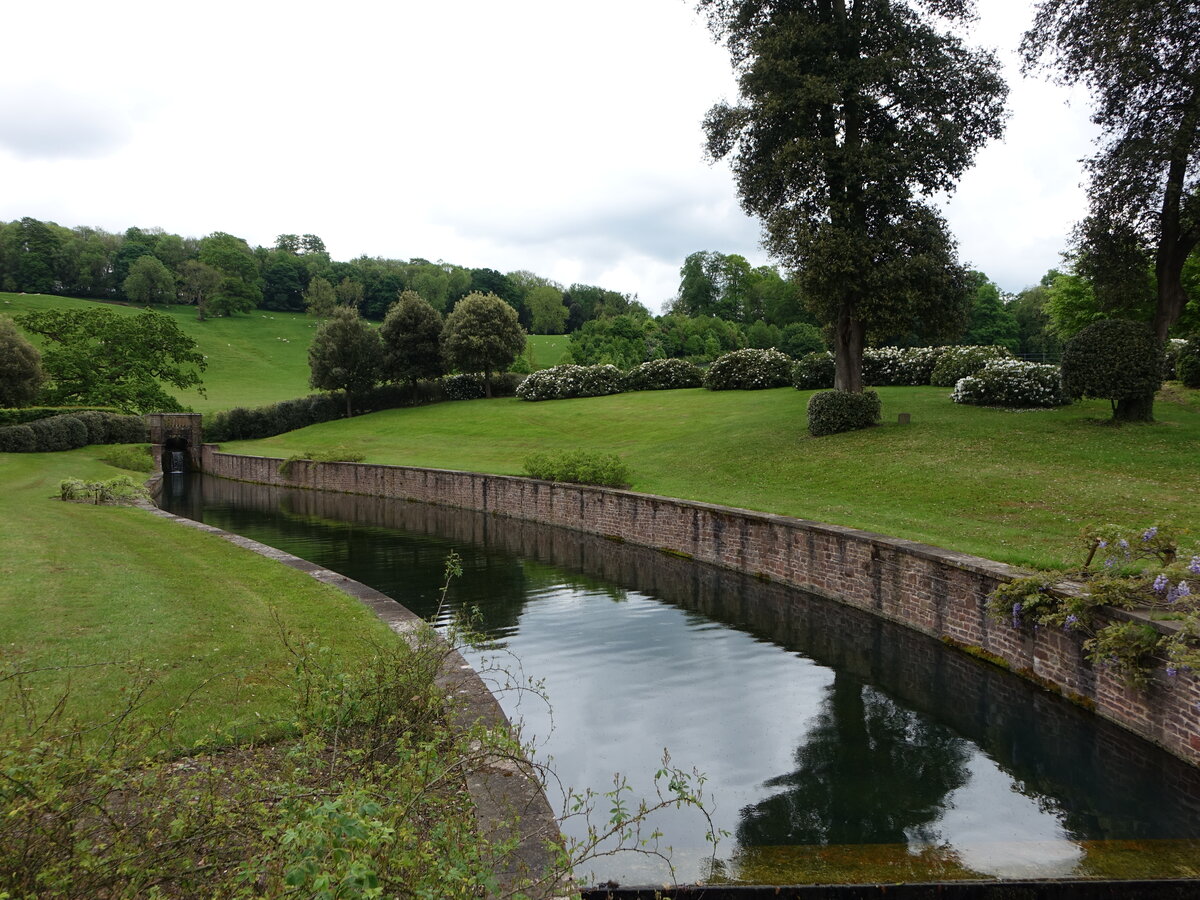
<point>934,591</point>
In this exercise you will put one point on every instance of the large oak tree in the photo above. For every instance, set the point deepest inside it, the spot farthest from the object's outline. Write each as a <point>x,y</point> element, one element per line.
<point>851,113</point>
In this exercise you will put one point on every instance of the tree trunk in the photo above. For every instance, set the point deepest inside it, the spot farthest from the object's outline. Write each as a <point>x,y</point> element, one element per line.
<point>487,384</point>
<point>349,411</point>
<point>848,339</point>
<point>1135,409</point>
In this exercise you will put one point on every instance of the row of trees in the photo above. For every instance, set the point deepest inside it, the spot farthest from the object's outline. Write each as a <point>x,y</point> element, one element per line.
<point>482,334</point>
<point>221,274</point>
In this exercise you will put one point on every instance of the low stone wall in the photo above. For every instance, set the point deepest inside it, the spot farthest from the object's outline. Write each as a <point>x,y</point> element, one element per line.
<point>934,591</point>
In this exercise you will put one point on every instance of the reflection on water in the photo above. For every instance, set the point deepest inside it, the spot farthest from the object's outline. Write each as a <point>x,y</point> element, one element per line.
<point>837,747</point>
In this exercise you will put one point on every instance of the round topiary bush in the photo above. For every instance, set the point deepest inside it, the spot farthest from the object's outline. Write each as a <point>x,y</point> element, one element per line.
<point>749,370</point>
<point>663,375</point>
<point>568,381</point>
<point>59,433</point>
<point>1115,360</point>
<point>814,372</point>
<point>959,362</point>
<point>1187,367</point>
<point>17,439</point>
<point>830,412</point>
<point>1014,383</point>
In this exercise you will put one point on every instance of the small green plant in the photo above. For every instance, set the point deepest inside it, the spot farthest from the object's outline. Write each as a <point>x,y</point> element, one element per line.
<point>333,454</point>
<point>1130,648</point>
<point>121,489</point>
<point>579,467</point>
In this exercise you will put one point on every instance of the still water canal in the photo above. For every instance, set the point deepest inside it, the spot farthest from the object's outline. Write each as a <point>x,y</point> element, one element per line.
<point>836,746</point>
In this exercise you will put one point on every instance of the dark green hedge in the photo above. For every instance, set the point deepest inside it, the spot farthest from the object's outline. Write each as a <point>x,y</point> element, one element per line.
<point>830,412</point>
<point>67,432</point>
<point>1113,359</point>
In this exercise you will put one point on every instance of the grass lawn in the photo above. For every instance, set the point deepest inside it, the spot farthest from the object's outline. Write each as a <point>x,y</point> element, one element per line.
<point>548,348</point>
<point>1016,486</point>
<point>83,585</point>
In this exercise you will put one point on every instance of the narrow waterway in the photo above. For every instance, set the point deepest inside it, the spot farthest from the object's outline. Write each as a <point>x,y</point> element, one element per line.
<point>836,746</point>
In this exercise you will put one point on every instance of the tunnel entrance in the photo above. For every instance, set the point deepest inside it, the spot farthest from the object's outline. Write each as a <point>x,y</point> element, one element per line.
<point>176,440</point>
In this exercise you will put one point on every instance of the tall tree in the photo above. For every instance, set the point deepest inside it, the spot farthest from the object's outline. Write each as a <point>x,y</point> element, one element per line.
<point>412,332</point>
<point>99,356</point>
<point>547,315</point>
<point>482,334</point>
<point>321,298</point>
<point>1141,61</point>
<point>241,288</point>
<point>346,355</point>
<point>149,282</point>
<point>851,112</point>
<point>989,320</point>
<point>198,284</point>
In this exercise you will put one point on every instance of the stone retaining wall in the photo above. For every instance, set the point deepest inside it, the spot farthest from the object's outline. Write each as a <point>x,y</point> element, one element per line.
<point>934,591</point>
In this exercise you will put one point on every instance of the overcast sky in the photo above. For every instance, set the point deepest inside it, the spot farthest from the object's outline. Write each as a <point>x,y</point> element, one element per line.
<point>552,135</point>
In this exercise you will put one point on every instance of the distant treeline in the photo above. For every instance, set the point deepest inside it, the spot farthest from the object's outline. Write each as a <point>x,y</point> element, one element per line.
<point>223,274</point>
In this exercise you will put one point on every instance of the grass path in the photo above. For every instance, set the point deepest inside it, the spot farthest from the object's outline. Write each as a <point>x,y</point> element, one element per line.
<point>1012,486</point>
<point>82,585</point>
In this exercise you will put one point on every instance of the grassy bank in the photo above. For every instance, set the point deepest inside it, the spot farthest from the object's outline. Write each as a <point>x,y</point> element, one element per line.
<point>100,596</point>
<point>1016,486</point>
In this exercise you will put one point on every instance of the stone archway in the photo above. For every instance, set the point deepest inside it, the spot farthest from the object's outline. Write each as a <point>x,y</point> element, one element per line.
<point>175,440</point>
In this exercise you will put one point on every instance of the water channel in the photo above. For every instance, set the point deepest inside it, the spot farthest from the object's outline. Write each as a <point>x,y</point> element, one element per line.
<point>837,747</point>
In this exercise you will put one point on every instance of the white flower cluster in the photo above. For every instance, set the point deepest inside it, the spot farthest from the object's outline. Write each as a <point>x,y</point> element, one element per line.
<point>959,362</point>
<point>749,370</point>
<point>566,381</point>
<point>1012,382</point>
<point>884,366</point>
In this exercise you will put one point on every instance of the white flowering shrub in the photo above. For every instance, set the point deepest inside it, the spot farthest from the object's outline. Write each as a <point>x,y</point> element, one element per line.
<point>567,381</point>
<point>1012,382</point>
<point>813,372</point>
<point>663,375</point>
<point>959,362</point>
<point>883,366</point>
<point>749,370</point>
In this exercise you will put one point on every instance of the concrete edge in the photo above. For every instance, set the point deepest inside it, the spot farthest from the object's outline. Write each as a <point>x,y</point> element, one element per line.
<point>504,791</point>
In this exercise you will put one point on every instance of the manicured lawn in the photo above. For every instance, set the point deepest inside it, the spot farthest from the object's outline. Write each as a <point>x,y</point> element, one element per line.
<point>1016,486</point>
<point>122,593</point>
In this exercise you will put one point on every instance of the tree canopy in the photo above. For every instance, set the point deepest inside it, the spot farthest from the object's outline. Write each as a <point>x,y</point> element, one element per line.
<point>346,354</point>
<point>1140,59</point>
<point>851,112</point>
<point>482,334</point>
<point>411,333</point>
<point>104,358</point>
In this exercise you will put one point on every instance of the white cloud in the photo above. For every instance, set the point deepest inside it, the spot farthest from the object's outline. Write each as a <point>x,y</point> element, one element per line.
<point>535,134</point>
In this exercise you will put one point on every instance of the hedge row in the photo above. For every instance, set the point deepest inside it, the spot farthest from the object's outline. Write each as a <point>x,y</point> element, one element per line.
<point>26,414</point>
<point>241,424</point>
<point>68,432</point>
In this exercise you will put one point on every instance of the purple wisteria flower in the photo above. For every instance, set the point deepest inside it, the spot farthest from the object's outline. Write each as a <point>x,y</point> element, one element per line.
<point>1071,621</point>
<point>1179,591</point>
<point>1149,533</point>
<point>1161,582</point>
<point>1123,544</point>
<point>1102,544</point>
<point>1172,671</point>
<point>1194,566</point>
<point>1109,563</point>
<point>1016,615</point>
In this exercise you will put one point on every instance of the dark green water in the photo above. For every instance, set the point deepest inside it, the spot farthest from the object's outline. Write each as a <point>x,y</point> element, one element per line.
<point>837,747</point>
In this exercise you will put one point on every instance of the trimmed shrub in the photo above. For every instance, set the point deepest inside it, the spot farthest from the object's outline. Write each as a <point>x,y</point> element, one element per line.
<point>814,372</point>
<point>960,362</point>
<point>59,433</point>
<point>18,439</point>
<point>663,375</point>
<point>1188,365</point>
<point>1012,382</point>
<point>471,387</point>
<point>749,370</point>
<point>579,467</point>
<point>123,429</point>
<point>25,415</point>
<point>1113,359</point>
<point>830,412</point>
<point>568,381</point>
